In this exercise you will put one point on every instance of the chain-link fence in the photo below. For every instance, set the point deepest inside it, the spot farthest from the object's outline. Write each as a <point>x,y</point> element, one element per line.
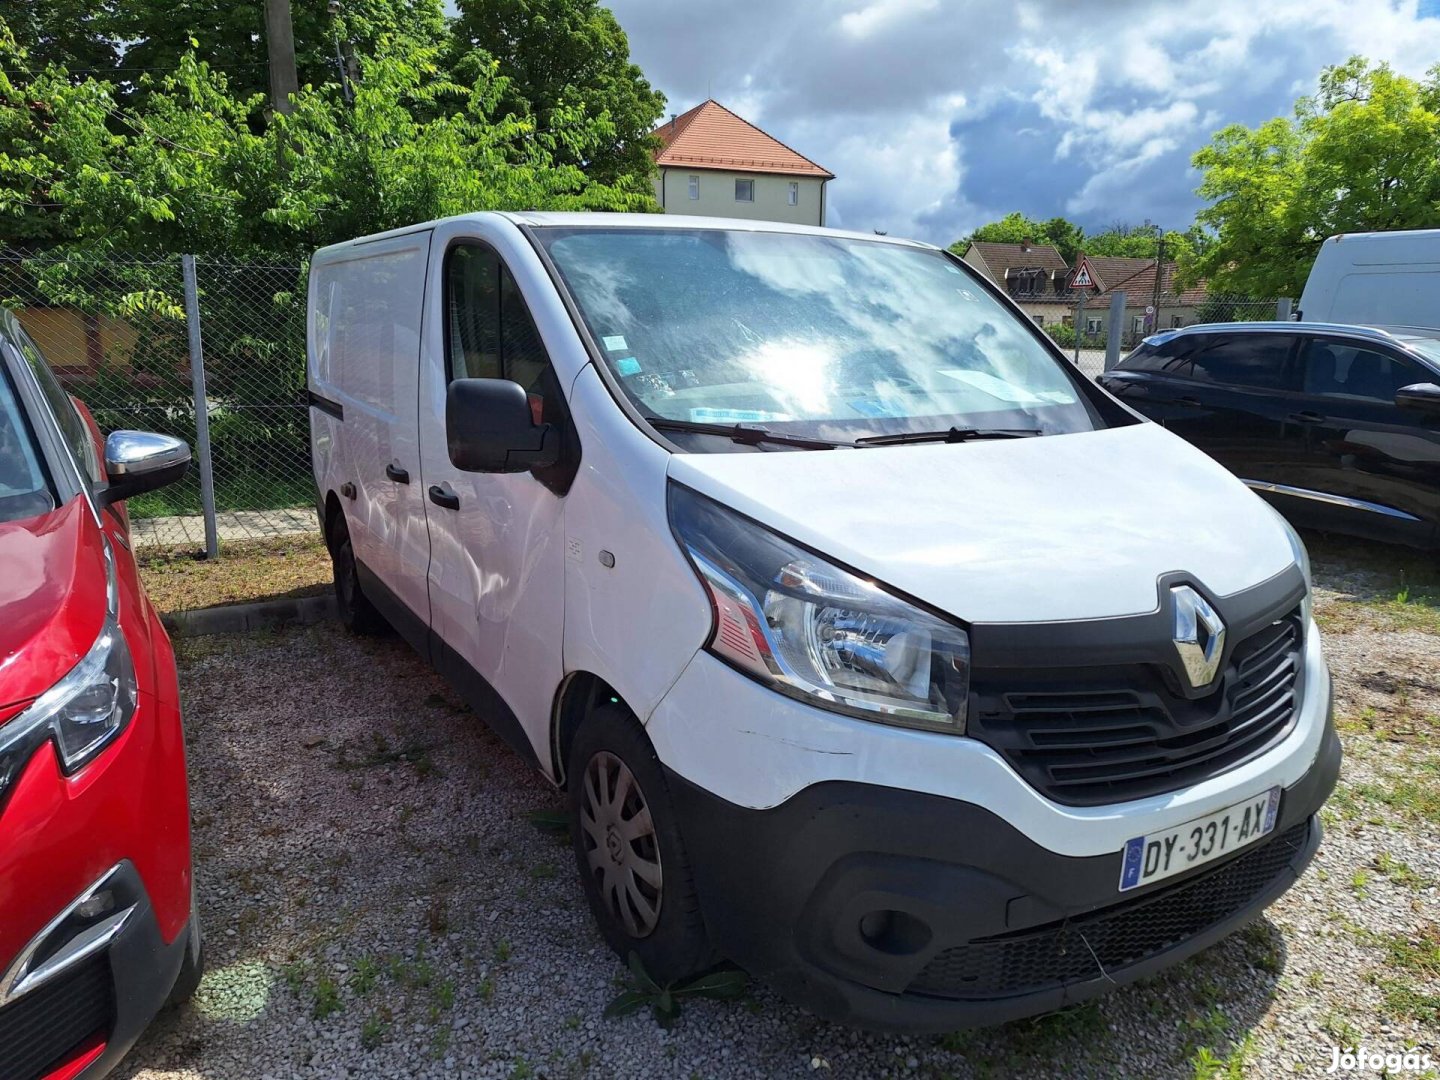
<point>118,335</point>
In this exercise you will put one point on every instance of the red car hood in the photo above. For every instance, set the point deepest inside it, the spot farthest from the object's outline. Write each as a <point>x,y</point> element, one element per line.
<point>52,599</point>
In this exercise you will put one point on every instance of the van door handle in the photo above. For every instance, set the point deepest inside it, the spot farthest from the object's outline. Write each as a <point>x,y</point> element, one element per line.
<point>399,475</point>
<point>441,495</point>
<point>1306,417</point>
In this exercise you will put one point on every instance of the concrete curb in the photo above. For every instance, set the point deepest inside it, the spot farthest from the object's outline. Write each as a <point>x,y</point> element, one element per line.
<point>241,618</point>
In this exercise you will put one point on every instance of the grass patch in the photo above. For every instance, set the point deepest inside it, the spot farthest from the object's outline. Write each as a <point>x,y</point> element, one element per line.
<point>1399,872</point>
<point>381,753</point>
<point>244,571</point>
<point>238,491</point>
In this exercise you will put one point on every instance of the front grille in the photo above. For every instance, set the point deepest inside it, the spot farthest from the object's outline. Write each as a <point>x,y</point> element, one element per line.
<point>1078,950</point>
<point>1102,735</point>
<point>46,1026</point>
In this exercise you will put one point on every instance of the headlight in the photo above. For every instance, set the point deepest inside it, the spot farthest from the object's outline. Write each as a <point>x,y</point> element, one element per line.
<point>85,710</point>
<point>811,629</point>
<point>1302,560</point>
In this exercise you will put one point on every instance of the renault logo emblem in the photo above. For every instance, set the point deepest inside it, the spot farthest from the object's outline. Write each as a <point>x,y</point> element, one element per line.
<point>1199,635</point>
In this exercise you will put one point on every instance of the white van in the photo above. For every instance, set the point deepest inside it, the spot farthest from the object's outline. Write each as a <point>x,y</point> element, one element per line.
<point>1376,278</point>
<point>876,649</point>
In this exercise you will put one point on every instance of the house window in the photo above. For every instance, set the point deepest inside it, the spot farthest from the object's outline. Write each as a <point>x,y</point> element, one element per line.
<point>1039,319</point>
<point>1092,326</point>
<point>794,193</point>
<point>1137,324</point>
<point>744,190</point>
<point>694,187</point>
<point>1177,321</point>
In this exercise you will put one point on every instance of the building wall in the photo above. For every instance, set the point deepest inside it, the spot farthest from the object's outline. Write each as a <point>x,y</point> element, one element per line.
<point>717,196</point>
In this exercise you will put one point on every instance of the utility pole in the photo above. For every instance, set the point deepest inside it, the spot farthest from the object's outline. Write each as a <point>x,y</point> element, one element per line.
<point>1159,271</point>
<point>280,45</point>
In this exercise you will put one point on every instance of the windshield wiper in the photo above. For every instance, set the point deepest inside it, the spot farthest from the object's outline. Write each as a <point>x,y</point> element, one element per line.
<point>741,433</point>
<point>949,435</point>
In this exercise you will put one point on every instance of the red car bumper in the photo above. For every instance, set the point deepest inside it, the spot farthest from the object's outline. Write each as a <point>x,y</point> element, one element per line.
<point>96,889</point>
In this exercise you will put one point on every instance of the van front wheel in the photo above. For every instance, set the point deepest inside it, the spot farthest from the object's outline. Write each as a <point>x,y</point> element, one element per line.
<point>354,607</point>
<point>629,850</point>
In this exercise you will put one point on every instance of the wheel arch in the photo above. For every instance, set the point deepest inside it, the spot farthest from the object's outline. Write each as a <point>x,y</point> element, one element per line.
<point>578,694</point>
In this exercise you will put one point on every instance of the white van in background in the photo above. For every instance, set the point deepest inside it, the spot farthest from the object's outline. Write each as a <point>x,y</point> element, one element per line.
<point>1376,278</point>
<point>876,649</point>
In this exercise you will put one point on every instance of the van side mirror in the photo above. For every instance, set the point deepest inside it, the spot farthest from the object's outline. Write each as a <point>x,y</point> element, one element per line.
<point>489,427</point>
<point>140,461</point>
<point>1419,397</point>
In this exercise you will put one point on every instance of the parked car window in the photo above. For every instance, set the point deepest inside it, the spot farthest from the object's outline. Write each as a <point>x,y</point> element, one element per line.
<point>76,432</point>
<point>1169,357</point>
<point>24,488</point>
<point>1337,369</point>
<point>1253,361</point>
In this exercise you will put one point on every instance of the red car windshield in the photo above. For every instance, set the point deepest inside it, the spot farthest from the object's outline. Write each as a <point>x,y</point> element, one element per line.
<point>24,486</point>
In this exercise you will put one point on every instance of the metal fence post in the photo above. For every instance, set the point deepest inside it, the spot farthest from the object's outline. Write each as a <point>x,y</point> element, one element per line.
<point>1283,308</point>
<point>202,410</point>
<point>1117,329</point>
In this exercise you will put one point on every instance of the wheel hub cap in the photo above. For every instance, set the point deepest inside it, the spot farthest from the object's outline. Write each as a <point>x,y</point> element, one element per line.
<point>621,848</point>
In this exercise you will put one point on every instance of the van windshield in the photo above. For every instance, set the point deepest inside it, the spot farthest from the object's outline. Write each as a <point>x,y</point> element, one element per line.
<point>826,337</point>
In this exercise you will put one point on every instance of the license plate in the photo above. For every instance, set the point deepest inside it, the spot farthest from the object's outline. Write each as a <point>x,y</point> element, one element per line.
<point>1164,854</point>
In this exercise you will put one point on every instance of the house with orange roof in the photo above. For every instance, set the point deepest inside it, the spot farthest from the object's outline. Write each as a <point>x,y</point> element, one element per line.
<point>715,163</point>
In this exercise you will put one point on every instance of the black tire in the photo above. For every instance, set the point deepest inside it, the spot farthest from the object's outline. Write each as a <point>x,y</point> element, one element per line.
<point>192,968</point>
<point>676,947</point>
<point>354,607</point>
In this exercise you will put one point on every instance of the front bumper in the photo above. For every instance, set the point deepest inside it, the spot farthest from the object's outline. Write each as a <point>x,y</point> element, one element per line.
<point>908,911</point>
<point>91,986</point>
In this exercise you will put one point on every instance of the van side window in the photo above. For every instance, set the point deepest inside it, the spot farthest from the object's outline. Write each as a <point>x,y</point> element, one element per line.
<point>472,308</point>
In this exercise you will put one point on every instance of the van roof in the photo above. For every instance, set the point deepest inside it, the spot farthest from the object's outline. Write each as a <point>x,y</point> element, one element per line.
<point>1391,236</point>
<point>602,220</point>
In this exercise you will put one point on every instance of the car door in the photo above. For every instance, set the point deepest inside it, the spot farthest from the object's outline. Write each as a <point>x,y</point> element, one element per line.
<point>1379,460</point>
<point>497,570</point>
<point>1235,398</point>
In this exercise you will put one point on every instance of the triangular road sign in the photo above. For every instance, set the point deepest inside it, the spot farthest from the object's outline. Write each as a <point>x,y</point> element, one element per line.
<point>1081,278</point>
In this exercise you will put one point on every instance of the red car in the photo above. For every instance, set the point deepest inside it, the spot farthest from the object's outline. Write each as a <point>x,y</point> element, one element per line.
<point>97,905</point>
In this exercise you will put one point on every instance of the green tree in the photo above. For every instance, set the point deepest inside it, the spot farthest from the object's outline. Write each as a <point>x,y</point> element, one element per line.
<point>559,56</point>
<point>186,170</point>
<point>79,34</point>
<point>1143,242</point>
<point>1361,154</point>
<point>1015,227</point>
<point>230,36</point>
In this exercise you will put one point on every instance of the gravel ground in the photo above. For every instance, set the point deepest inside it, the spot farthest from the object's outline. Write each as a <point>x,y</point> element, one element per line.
<point>379,901</point>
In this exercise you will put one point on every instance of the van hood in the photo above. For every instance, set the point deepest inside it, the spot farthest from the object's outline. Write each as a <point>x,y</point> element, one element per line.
<point>1054,528</point>
<point>52,599</point>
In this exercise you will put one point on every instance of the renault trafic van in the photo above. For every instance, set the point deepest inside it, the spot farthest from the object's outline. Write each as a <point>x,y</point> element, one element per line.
<point>876,649</point>
<point>1376,278</point>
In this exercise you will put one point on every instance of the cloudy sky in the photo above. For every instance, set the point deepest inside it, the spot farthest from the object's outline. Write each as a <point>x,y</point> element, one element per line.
<point>938,115</point>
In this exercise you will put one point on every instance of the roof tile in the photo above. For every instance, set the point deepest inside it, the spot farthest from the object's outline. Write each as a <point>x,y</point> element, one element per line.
<point>710,136</point>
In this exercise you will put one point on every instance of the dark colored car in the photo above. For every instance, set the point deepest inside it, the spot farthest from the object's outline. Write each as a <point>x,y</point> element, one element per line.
<point>1337,426</point>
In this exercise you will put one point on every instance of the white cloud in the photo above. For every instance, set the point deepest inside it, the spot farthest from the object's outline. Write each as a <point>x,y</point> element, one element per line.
<point>882,13</point>
<point>1088,108</point>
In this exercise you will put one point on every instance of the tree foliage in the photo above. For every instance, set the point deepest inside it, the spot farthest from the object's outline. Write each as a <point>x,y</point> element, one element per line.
<point>1016,228</point>
<point>557,56</point>
<point>1070,239</point>
<point>78,34</point>
<point>1361,154</point>
<point>230,36</point>
<point>190,172</point>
